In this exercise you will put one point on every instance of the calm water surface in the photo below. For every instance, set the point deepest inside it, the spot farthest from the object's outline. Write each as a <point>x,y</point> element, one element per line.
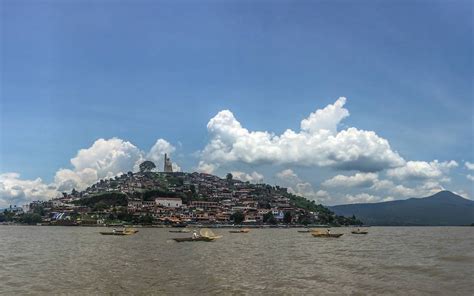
<point>389,260</point>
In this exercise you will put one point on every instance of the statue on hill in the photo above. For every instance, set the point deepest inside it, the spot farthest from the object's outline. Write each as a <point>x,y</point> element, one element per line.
<point>168,167</point>
<point>147,166</point>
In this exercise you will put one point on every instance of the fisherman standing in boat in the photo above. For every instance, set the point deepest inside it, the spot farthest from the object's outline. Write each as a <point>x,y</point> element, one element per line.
<point>328,231</point>
<point>195,235</point>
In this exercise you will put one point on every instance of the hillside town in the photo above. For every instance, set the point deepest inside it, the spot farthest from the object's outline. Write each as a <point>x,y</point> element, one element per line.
<point>172,198</point>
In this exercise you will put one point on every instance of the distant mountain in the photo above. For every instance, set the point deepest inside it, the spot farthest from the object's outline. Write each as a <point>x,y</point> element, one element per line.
<point>442,209</point>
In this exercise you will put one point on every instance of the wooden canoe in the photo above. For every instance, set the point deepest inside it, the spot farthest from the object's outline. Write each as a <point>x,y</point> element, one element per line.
<point>335,235</point>
<point>114,233</point>
<point>240,231</point>
<point>190,239</point>
<point>359,232</point>
<point>303,231</point>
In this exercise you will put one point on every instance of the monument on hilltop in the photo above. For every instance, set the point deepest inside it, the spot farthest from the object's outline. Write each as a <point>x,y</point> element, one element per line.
<point>168,167</point>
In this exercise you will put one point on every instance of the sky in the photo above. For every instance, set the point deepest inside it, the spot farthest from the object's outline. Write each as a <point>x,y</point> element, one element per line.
<point>340,101</point>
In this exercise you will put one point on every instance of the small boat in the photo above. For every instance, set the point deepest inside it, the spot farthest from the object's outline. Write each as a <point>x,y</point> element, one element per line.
<point>319,233</point>
<point>304,231</point>
<point>130,230</point>
<point>125,231</point>
<point>359,232</point>
<point>113,233</point>
<point>191,239</point>
<point>326,234</point>
<point>206,235</point>
<point>243,230</point>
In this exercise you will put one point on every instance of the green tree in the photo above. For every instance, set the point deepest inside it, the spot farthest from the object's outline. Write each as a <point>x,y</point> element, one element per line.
<point>100,206</point>
<point>238,217</point>
<point>305,219</point>
<point>146,220</point>
<point>31,219</point>
<point>229,177</point>
<point>269,218</point>
<point>39,210</point>
<point>147,166</point>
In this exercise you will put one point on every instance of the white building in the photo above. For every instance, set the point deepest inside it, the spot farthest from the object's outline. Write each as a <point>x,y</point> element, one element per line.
<point>169,202</point>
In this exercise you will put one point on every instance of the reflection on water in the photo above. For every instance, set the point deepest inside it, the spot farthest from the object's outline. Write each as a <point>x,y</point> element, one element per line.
<point>389,260</point>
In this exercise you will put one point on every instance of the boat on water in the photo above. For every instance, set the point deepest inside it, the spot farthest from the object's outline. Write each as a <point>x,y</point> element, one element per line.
<point>319,233</point>
<point>191,239</point>
<point>125,231</point>
<point>326,234</point>
<point>243,230</point>
<point>359,232</point>
<point>113,233</point>
<point>205,235</point>
<point>304,231</point>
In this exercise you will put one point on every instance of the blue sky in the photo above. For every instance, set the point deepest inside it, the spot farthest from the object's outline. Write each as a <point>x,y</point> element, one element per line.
<point>73,72</point>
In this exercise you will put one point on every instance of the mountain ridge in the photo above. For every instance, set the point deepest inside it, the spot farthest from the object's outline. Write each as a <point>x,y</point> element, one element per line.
<point>441,209</point>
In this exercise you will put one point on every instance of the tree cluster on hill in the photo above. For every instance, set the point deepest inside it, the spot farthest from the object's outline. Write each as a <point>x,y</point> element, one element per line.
<point>103,200</point>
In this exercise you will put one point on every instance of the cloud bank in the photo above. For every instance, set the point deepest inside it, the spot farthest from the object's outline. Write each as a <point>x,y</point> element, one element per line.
<point>299,187</point>
<point>253,177</point>
<point>105,158</point>
<point>318,143</point>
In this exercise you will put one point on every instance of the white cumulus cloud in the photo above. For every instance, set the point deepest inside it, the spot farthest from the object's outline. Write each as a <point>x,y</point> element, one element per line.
<point>362,198</point>
<point>357,180</point>
<point>16,191</point>
<point>299,187</point>
<point>422,189</point>
<point>207,168</point>
<point>105,158</point>
<point>288,176</point>
<point>158,151</point>
<point>253,177</point>
<point>469,165</point>
<point>318,143</point>
<point>422,170</point>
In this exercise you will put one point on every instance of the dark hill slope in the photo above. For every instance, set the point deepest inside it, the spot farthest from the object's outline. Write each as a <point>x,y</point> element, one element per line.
<point>442,209</point>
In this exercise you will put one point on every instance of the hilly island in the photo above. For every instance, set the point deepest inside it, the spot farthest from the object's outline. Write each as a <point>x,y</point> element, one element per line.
<point>148,197</point>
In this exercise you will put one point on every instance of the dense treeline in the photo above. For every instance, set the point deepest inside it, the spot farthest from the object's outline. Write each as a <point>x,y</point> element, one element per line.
<point>103,200</point>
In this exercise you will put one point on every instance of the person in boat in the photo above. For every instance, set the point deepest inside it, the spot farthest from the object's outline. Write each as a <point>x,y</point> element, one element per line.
<point>195,235</point>
<point>358,229</point>
<point>114,230</point>
<point>328,231</point>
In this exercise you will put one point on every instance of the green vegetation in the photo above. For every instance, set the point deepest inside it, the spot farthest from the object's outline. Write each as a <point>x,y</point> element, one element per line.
<point>30,219</point>
<point>147,166</point>
<point>104,200</point>
<point>325,216</point>
<point>306,219</point>
<point>238,217</point>
<point>303,203</point>
<point>269,218</point>
<point>151,194</point>
<point>6,216</point>
<point>287,217</point>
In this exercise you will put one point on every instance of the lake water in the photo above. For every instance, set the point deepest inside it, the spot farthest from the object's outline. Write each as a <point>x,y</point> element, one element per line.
<point>38,260</point>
